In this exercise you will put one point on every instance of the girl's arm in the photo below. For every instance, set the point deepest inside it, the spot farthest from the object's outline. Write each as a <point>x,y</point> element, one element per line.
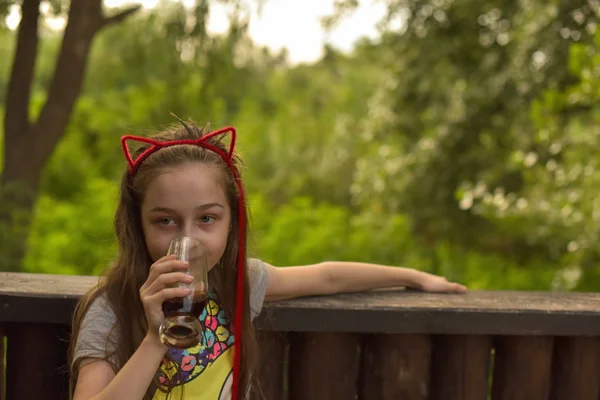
<point>97,381</point>
<point>339,277</point>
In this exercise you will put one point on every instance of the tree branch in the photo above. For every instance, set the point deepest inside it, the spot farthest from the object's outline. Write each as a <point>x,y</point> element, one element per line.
<point>16,120</point>
<point>119,17</point>
<point>85,20</point>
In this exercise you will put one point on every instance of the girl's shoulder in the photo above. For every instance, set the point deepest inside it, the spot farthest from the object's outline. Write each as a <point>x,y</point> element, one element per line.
<point>258,278</point>
<point>97,337</point>
<point>100,312</point>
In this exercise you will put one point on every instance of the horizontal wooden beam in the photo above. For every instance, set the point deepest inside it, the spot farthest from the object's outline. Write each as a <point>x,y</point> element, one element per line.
<point>51,298</point>
<point>45,285</point>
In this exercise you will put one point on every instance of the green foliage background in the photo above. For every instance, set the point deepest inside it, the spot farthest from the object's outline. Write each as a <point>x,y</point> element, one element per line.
<point>465,143</point>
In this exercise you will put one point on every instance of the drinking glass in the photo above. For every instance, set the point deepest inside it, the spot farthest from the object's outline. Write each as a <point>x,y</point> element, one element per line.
<point>181,328</point>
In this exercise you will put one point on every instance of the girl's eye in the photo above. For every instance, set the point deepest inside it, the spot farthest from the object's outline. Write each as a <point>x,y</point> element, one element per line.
<point>207,219</point>
<point>166,221</point>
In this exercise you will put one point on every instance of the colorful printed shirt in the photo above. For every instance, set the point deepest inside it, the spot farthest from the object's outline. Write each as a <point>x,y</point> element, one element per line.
<point>205,369</point>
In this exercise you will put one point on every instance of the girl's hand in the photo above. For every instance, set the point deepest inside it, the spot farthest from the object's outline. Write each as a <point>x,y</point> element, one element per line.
<point>164,273</point>
<point>434,283</point>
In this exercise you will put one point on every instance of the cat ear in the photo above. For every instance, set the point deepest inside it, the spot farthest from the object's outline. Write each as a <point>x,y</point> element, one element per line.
<point>133,164</point>
<point>224,133</point>
<point>228,132</point>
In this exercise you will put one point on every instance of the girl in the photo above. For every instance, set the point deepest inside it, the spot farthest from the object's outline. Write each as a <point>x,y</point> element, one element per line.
<point>185,183</point>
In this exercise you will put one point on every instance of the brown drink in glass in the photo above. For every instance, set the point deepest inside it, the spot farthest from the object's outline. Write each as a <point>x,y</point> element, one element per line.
<point>181,328</point>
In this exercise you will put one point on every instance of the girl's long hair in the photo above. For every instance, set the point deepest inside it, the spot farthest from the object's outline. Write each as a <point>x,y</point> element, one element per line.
<point>121,283</point>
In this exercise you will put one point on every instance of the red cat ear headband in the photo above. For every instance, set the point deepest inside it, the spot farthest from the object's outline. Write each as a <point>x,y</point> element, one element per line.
<point>227,157</point>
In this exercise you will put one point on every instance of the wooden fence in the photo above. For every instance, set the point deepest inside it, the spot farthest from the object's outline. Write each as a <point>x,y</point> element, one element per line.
<point>386,344</point>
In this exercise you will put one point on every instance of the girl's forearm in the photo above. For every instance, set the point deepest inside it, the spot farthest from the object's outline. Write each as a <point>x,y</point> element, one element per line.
<point>135,377</point>
<point>356,277</point>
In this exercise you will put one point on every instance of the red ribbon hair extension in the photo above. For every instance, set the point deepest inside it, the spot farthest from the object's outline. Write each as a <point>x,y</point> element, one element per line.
<point>228,158</point>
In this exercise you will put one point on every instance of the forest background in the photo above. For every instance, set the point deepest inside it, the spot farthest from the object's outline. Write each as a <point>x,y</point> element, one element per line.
<point>462,140</point>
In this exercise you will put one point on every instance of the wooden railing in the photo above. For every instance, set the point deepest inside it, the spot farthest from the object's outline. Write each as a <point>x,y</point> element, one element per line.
<point>388,344</point>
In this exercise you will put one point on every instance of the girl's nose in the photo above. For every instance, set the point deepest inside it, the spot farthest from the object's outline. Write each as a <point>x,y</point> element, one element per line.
<point>190,229</point>
<point>187,229</point>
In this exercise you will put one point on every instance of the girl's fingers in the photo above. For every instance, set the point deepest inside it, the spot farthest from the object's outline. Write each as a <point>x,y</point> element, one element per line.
<point>164,280</point>
<point>169,293</point>
<point>153,267</point>
<point>460,288</point>
<point>456,288</point>
<point>159,268</point>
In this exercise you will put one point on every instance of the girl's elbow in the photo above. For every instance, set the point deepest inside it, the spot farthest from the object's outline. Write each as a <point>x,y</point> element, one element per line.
<point>330,282</point>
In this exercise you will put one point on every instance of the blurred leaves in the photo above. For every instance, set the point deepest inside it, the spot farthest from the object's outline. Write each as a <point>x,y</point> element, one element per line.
<point>462,142</point>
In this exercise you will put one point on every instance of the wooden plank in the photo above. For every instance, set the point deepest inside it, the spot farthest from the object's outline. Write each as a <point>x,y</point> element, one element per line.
<point>323,366</point>
<point>273,364</point>
<point>444,321</point>
<point>576,371</point>
<point>51,298</point>
<point>36,362</point>
<point>460,367</point>
<point>395,367</point>
<point>41,298</point>
<point>504,302</point>
<point>45,285</point>
<point>67,286</point>
<point>477,312</point>
<point>522,369</point>
<point>16,309</point>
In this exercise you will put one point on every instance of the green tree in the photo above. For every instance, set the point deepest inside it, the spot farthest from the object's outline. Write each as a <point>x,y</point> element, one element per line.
<point>121,97</point>
<point>461,77</point>
<point>36,118</point>
<point>29,142</point>
<point>557,206</point>
<point>389,154</point>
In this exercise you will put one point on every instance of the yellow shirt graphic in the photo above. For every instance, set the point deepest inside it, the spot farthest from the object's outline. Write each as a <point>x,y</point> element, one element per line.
<point>205,371</point>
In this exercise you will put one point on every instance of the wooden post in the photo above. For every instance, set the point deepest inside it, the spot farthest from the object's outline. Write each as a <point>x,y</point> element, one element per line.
<point>2,370</point>
<point>460,367</point>
<point>522,369</point>
<point>576,371</point>
<point>36,362</point>
<point>323,366</point>
<point>273,364</point>
<point>395,367</point>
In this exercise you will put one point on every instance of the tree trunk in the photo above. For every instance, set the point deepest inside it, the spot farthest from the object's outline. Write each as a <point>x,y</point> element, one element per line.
<point>29,144</point>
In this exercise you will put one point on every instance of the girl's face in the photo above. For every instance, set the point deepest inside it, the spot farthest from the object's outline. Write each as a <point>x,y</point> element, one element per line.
<point>186,200</point>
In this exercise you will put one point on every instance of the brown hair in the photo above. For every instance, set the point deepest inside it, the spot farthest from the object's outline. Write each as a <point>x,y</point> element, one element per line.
<point>123,280</point>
